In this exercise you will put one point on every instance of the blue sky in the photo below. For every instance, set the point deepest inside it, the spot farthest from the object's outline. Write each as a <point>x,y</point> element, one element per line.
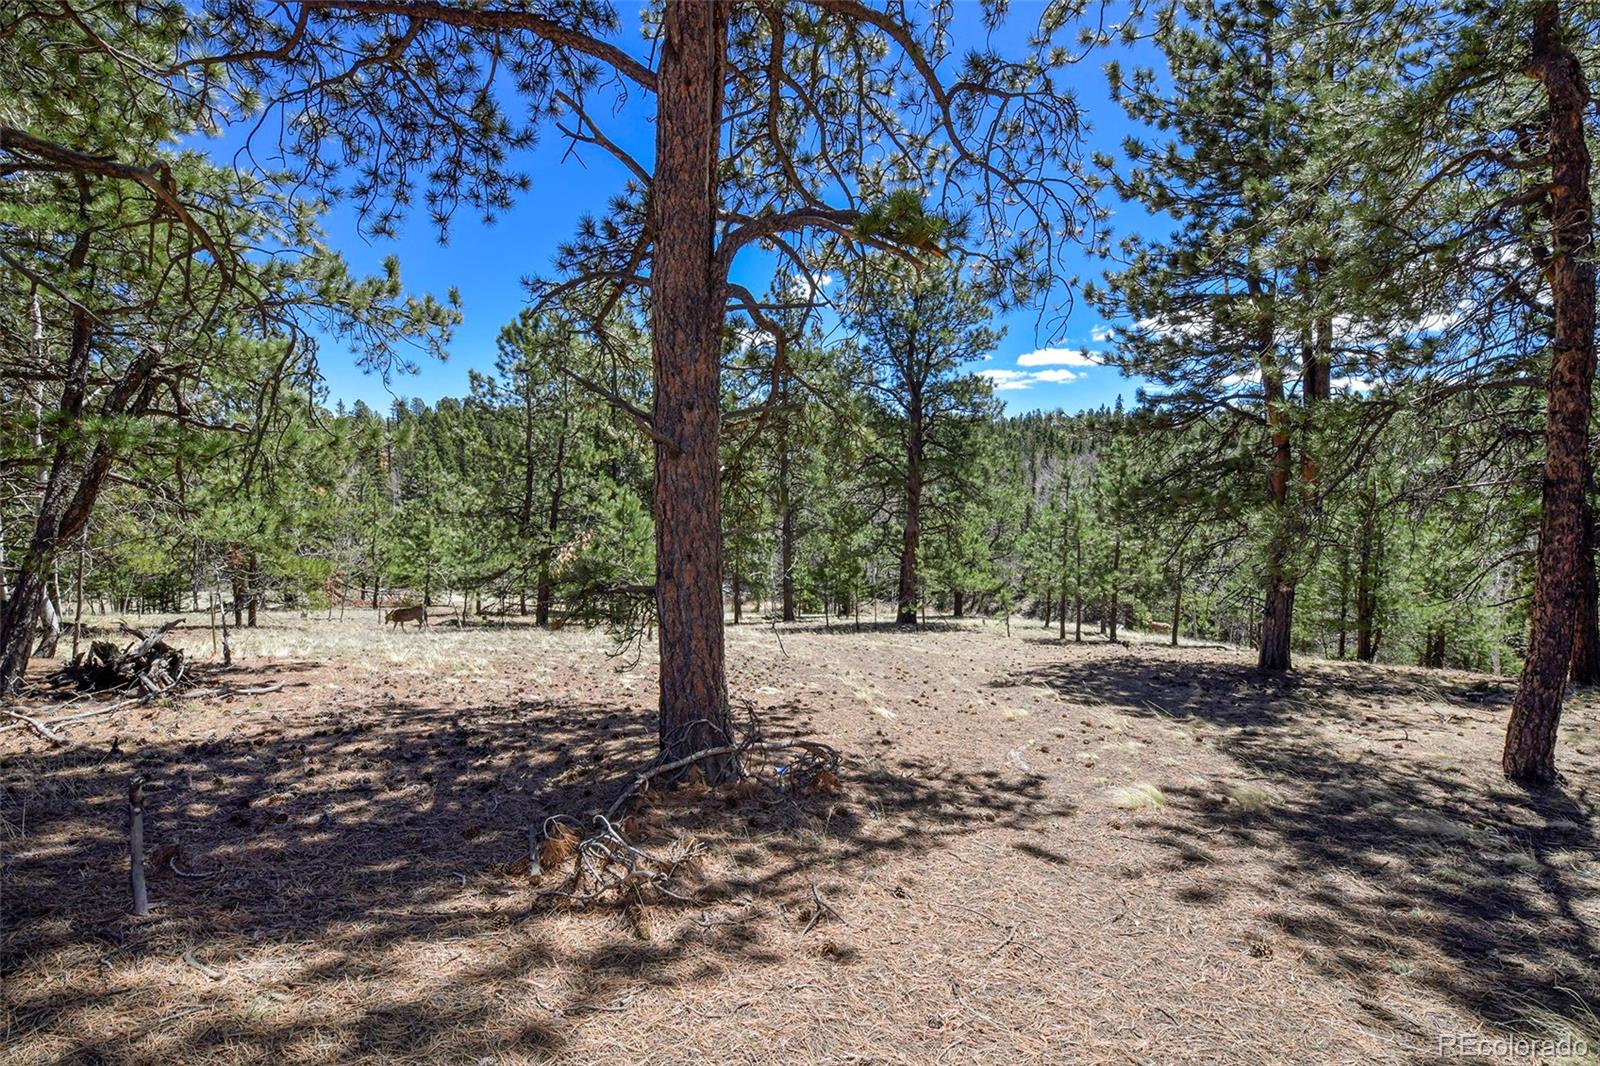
<point>1036,365</point>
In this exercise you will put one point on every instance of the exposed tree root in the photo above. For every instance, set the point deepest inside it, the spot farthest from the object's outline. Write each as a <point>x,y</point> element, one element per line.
<point>609,868</point>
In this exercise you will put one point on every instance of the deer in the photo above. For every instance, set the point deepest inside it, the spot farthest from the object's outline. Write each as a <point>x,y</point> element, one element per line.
<point>401,615</point>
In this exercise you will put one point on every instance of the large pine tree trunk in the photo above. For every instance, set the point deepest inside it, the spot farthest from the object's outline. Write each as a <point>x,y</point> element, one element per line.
<point>1536,711</point>
<point>686,320</point>
<point>1277,622</point>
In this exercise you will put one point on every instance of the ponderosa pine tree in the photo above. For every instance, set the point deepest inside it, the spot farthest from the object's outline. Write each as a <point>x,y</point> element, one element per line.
<point>1569,265</point>
<point>153,304</point>
<point>1479,195</point>
<point>799,126</point>
<point>919,332</point>
<point>1226,314</point>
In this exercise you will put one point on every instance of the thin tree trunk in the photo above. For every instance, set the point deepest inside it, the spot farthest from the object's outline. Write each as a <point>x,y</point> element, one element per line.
<point>1116,591</point>
<point>1061,624</point>
<point>1077,584</point>
<point>227,646</point>
<point>236,577</point>
<point>1344,601</point>
<point>253,579</point>
<point>1277,617</point>
<point>687,302</point>
<point>907,613</point>
<point>547,588</point>
<point>1368,571</point>
<point>59,516</point>
<point>4,587</point>
<point>786,530</point>
<point>1177,607</point>
<point>1536,710</point>
<point>77,614</point>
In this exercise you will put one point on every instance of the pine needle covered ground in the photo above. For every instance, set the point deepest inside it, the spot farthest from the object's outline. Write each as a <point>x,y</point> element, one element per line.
<point>1033,852</point>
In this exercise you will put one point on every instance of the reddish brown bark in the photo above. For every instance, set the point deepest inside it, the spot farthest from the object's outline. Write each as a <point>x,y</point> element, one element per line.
<point>686,323</point>
<point>1536,710</point>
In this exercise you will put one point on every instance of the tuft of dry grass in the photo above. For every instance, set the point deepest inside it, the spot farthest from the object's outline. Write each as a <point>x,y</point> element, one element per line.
<point>1138,796</point>
<point>1252,798</point>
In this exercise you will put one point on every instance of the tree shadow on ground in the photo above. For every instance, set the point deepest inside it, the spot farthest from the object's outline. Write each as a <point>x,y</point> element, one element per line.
<point>352,847</point>
<point>1376,832</point>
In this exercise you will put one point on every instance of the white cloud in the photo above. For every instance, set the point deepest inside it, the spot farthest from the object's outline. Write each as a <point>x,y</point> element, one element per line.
<point>1057,357</point>
<point>1016,380</point>
<point>1101,333</point>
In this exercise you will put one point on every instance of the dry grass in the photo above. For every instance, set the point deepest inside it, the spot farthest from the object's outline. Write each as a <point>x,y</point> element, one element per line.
<point>1037,853</point>
<point>1138,796</point>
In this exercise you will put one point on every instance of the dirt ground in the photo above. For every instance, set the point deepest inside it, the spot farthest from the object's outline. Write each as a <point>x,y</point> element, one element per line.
<point>1041,852</point>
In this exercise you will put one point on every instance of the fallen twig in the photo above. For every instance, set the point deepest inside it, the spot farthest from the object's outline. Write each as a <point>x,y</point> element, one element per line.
<point>37,726</point>
<point>819,906</point>
<point>210,971</point>
<point>829,756</point>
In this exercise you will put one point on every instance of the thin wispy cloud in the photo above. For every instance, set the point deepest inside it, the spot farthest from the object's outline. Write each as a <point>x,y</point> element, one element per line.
<point>1017,380</point>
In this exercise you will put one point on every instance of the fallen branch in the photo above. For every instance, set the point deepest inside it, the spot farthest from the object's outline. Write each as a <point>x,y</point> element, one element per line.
<point>37,726</point>
<point>607,865</point>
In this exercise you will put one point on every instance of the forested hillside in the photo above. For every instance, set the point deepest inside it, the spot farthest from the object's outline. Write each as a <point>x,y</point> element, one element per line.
<point>528,498</point>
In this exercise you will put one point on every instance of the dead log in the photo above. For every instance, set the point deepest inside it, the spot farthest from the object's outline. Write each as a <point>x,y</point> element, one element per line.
<point>149,666</point>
